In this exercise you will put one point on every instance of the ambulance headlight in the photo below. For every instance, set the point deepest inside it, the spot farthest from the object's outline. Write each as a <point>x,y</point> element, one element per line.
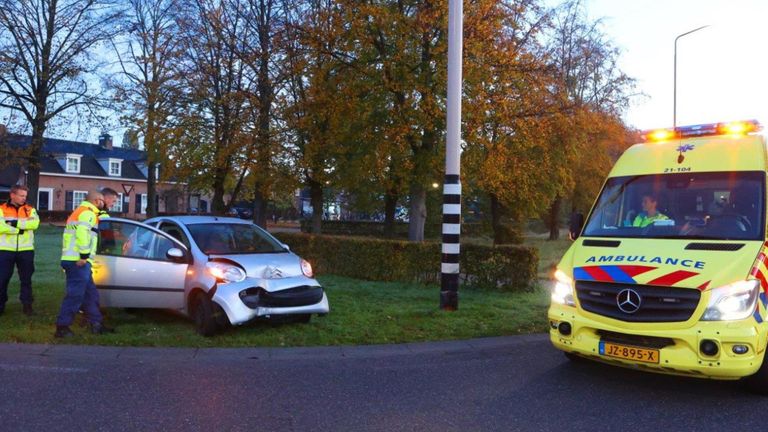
<point>732,302</point>
<point>562,293</point>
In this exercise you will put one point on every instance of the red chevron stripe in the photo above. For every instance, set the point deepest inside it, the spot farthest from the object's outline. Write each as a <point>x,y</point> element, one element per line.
<point>704,286</point>
<point>598,274</point>
<point>761,258</point>
<point>633,270</point>
<point>756,272</point>
<point>672,278</point>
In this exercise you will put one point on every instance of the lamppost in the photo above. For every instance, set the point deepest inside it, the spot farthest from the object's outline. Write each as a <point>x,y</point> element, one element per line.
<point>449,267</point>
<point>674,84</point>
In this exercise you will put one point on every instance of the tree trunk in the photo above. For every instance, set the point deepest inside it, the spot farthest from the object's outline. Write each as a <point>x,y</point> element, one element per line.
<point>33,167</point>
<point>316,200</point>
<point>418,213</point>
<point>151,189</point>
<point>260,209</point>
<point>236,191</point>
<point>496,210</point>
<point>390,207</point>
<point>553,218</point>
<point>150,147</point>
<point>217,201</point>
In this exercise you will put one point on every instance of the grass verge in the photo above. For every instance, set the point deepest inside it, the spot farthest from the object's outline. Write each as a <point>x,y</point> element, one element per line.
<point>362,312</point>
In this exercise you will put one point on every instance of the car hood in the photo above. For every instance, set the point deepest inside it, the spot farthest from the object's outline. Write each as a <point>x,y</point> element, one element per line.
<point>267,266</point>
<point>675,263</point>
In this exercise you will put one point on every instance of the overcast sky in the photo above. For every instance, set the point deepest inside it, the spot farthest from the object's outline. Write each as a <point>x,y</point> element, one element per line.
<point>722,71</point>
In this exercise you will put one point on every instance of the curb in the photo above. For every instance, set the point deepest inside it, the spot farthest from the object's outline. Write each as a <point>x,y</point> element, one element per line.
<point>141,354</point>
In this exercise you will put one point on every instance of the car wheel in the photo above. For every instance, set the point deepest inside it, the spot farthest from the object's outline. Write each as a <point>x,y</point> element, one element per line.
<point>303,318</point>
<point>205,322</point>
<point>758,383</point>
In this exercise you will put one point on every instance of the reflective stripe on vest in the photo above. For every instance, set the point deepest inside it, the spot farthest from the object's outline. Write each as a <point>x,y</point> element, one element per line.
<point>26,219</point>
<point>70,249</point>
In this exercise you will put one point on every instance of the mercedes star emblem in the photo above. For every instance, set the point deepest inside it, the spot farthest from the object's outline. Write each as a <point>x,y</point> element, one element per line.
<point>628,301</point>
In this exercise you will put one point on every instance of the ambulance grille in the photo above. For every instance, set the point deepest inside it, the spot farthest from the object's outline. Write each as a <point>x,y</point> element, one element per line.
<point>658,304</point>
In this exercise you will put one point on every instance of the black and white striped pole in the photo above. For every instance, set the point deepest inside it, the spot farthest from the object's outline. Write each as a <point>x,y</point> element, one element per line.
<point>449,269</point>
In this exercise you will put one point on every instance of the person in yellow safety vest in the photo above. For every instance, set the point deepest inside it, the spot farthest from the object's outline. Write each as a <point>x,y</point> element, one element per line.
<point>650,214</point>
<point>18,221</point>
<point>78,247</point>
<point>110,197</point>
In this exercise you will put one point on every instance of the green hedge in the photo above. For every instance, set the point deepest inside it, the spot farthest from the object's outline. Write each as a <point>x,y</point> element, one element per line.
<point>376,229</point>
<point>508,267</point>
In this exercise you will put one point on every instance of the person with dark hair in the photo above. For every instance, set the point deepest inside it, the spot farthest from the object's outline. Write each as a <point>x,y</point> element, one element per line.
<point>650,213</point>
<point>18,221</point>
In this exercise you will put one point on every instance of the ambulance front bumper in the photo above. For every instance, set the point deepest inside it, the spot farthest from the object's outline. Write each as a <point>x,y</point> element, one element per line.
<point>679,350</point>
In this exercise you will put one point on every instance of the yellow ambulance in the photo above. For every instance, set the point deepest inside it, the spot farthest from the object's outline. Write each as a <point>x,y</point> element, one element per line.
<point>669,272</point>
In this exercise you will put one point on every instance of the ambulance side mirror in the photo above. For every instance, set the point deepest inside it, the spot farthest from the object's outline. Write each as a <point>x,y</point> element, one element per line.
<point>575,226</point>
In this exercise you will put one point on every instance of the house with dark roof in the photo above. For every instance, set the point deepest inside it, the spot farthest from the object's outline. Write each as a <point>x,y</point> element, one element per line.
<point>69,169</point>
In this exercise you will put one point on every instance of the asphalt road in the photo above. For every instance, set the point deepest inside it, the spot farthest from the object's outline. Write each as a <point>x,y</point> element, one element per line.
<point>499,384</point>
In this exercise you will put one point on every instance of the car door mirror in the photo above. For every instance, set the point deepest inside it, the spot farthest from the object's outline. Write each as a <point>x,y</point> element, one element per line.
<point>288,248</point>
<point>175,254</point>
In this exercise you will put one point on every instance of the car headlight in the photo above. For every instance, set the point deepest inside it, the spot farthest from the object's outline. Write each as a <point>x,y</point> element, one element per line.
<point>732,302</point>
<point>562,293</point>
<point>306,268</point>
<point>225,272</point>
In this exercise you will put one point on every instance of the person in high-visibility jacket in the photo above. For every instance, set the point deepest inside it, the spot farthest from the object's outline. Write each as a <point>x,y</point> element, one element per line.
<point>18,221</point>
<point>78,247</point>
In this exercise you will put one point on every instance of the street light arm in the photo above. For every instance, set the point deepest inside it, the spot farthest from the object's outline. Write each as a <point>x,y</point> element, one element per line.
<point>689,32</point>
<point>674,77</point>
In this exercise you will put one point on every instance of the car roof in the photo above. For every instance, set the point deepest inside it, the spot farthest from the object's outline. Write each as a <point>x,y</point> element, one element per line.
<point>192,220</point>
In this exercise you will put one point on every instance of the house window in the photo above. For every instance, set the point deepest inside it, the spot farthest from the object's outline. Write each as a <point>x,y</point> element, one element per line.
<point>143,204</point>
<point>117,207</point>
<point>45,199</point>
<point>114,168</point>
<point>73,164</point>
<point>77,198</point>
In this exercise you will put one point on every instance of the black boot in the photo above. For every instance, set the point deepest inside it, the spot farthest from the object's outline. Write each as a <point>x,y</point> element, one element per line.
<point>100,328</point>
<point>63,332</point>
<point>27,310</point>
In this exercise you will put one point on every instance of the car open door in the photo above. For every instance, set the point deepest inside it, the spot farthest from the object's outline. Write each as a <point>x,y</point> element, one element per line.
<point>139,266</point>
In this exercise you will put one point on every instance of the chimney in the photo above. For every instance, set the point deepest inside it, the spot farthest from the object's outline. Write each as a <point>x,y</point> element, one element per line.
<point>105,141</point>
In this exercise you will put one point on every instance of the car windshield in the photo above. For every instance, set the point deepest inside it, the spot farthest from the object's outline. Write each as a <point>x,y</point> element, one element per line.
<point>226,239</point>
<point>717,206</point>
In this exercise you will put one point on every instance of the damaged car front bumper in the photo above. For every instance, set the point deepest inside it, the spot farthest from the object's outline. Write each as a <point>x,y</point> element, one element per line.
<point>255,297</point>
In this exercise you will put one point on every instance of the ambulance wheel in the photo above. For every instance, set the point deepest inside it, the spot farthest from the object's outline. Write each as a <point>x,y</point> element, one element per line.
<point>205,321</point>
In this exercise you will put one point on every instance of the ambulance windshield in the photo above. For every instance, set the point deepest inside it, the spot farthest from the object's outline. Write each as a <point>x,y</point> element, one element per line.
<point>716,206</point>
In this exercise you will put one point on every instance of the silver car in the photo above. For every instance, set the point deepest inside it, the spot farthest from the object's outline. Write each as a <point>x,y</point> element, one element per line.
<point>216,270</point>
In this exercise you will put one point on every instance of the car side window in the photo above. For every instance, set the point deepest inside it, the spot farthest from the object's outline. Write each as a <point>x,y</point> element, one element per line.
<point>174,231</point>
<point>132,241</point>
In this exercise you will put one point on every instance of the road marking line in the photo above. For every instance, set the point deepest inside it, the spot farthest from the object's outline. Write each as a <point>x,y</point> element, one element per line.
<point>12,368</point>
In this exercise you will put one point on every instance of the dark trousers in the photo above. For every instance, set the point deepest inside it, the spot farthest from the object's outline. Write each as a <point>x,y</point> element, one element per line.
<point>25,263</point>
<point>81,292</point>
